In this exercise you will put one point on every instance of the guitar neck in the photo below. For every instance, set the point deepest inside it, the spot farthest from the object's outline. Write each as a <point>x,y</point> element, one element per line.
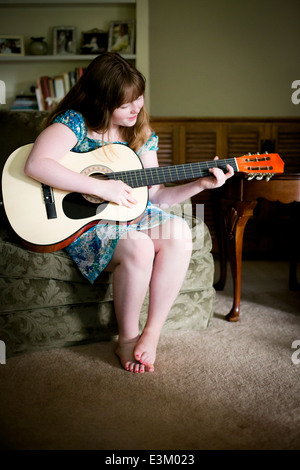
<point>169,174</point>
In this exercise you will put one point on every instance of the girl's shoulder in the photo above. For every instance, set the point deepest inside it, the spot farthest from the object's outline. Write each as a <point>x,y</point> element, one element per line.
<point>151,144</point>
<point>75,121</point>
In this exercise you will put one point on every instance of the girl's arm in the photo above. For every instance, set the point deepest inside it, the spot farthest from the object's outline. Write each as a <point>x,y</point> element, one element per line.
<point>159,194</point>
<point>43,164</point>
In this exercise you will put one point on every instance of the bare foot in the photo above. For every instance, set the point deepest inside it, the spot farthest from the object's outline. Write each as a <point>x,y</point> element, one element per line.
<point>145,350</point>
<point>125,352</point>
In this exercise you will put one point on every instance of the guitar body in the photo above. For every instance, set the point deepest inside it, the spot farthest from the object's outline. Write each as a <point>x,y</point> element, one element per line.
<point>25,205</point>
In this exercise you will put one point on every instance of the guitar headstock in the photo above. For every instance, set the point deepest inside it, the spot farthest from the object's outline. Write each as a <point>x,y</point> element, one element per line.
<point>260,166</point>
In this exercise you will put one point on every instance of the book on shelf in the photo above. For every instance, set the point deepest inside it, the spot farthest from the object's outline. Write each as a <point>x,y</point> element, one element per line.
<point>25,103</point>
<point>50,90</point>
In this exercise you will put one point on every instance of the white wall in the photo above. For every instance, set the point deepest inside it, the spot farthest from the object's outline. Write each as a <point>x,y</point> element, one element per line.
<point>224,57</point>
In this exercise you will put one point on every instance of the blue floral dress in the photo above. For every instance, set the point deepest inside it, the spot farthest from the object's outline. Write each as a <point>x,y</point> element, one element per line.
<point>93,250</point>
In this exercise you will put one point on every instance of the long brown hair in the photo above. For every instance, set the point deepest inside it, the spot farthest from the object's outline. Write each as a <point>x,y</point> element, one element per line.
<point>108,82</point>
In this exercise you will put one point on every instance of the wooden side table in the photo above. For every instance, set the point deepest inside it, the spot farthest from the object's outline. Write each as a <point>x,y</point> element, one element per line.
<point>233,205</point>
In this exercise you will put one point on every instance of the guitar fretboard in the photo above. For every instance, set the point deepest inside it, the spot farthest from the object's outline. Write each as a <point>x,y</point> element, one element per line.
<point>168,174</point>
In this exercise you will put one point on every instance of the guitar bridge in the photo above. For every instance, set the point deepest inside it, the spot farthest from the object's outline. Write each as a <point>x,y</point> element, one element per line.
<point>49,201</point>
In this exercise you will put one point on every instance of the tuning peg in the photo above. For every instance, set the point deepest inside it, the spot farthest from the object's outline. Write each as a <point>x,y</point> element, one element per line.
<point>259,177</point>
<point>250,176</point>
<point>268,176</point>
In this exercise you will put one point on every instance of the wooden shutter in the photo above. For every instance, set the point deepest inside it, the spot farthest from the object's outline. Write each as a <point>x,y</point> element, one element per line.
<point>201,144</point>
<point>166,143</point>
<point>242,139</point>
<point>165,151</point>
<point>288,147</point>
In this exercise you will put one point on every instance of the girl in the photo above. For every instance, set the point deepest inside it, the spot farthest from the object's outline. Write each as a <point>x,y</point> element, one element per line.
<point>107,106</point>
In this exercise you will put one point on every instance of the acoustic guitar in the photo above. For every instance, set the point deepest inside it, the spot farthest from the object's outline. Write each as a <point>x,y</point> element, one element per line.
<point>48,219</point>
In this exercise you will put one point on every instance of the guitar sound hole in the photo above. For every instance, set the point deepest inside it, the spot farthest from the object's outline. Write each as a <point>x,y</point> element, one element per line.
<point>75,206</point>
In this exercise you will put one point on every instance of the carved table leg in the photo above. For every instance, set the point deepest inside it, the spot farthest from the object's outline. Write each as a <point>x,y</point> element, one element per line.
<point>236,215</point>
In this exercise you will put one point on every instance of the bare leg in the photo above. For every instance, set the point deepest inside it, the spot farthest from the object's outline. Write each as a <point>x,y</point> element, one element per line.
<point>131,265</point>
<point>173,246</point>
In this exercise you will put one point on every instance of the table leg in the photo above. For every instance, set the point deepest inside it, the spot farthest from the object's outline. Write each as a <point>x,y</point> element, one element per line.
<point>236,216</point>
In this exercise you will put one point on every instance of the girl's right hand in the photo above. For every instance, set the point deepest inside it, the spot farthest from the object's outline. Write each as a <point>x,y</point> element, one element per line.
<point>116,191</point>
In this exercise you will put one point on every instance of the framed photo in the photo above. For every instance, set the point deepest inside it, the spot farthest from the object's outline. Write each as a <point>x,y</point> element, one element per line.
<point>122,37</point>
<point>94,41</point>
<point>64,40</point>
<point>11,45</point>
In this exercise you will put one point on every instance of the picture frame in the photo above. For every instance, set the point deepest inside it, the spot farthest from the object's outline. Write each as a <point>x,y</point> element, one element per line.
<point>11,45</point>
<point>94,41</point>
<point>64,40</point>
<point>122,37</point>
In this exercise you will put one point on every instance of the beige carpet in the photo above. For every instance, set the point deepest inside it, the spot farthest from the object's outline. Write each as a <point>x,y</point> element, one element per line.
<point>232,386</point>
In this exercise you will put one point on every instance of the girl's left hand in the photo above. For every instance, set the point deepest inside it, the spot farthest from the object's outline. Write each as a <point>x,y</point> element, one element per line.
<point>218,177</point>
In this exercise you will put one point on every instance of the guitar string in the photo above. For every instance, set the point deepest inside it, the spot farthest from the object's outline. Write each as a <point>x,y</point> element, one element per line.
<point>164,174</point>
<point>146,176</point>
